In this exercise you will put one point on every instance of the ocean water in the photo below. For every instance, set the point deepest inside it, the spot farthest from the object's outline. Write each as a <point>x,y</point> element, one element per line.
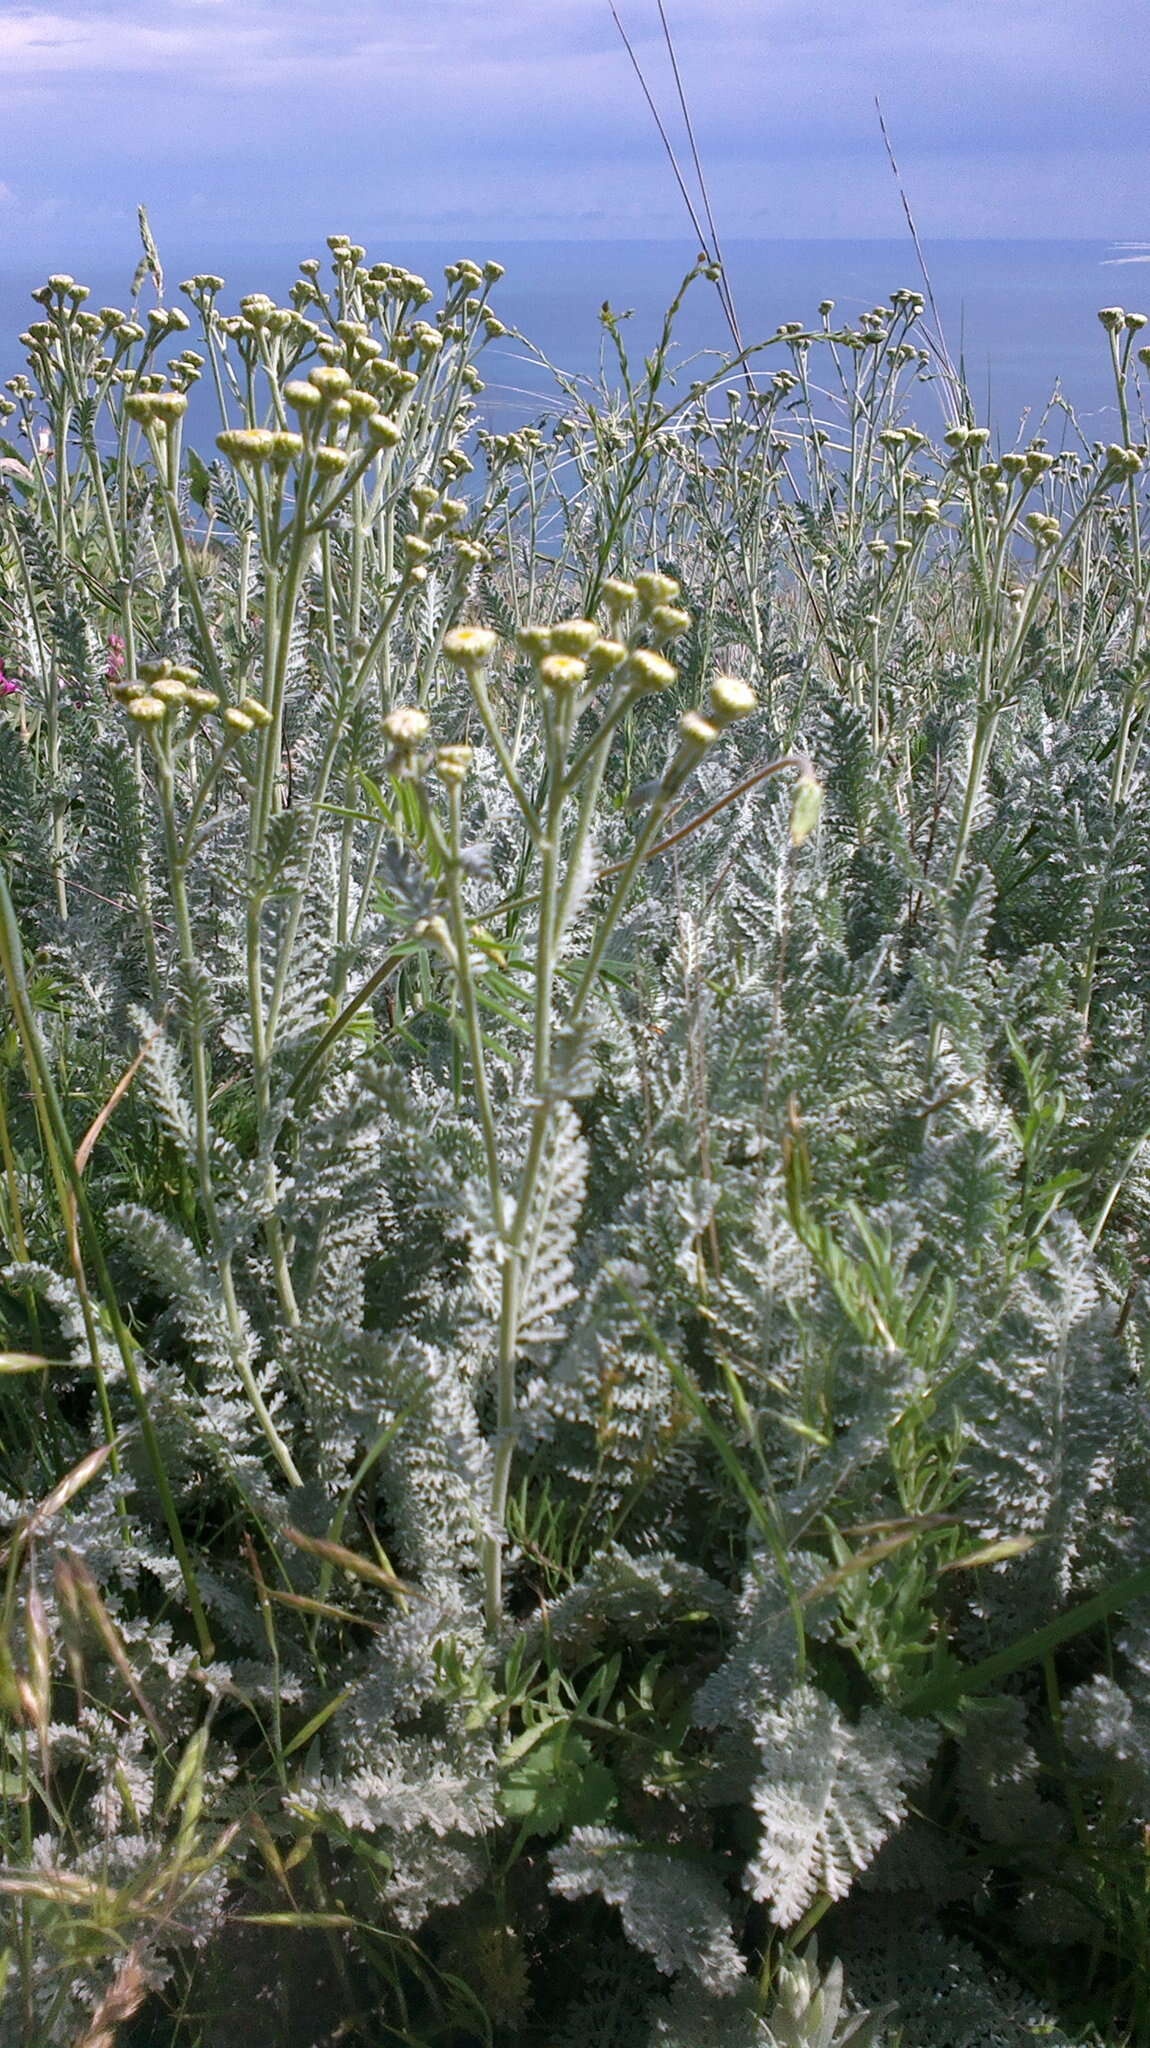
<point>1021,316</point>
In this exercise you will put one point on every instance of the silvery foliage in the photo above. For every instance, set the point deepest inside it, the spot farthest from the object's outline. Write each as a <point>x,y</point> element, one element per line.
<point>675,1910</point>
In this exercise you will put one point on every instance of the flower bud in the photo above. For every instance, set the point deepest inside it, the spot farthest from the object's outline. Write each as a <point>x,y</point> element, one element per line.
<point>406,727</point>
<point>617,595</point>
<point>200,702</point>
<point>330,380</point>
<point>535,641</point>
<point>731,698</point>
<point>1113,318</point>
<point>668,621</point>
<point>170,691</point>
<point>653,589</point>
<point>286,448</point>
<point>245,444</point>
<point>605,656</point>
<point>469,646</point>
<point>359,405</point>
<point>257,712</point>
<point>416,548</point>
<point>806,806</point>
<point>238,721</point>
<point>646,670</point>
<point>330,460</point>
<point>697,730</point>
<point>561,672</point>
<point>381,431</point>
<point>302,397</point>
<point>452,763</point>
<point>147,710</point>
<point>573,636</point>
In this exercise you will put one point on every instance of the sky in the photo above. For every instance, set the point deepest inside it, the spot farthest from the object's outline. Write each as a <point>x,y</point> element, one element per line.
<point>245,122</point>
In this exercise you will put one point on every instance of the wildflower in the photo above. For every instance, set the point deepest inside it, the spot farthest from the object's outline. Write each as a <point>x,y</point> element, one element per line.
<point>535,641</point>
<point>302,397</point>
<point>617,595</point>
<point>653,589</point>
<point>646,670</point>
<point>285,449</point>
<point>147,710</point>
<point>381,431</point>
<point>605,656</point>
<point>330,460</point>
<point>8,684</point>
<point>330,380</point>
<point>245,444</point>
<point>452,763</point>
<point>573,636</point>
<point>406,727</point>
<point>668,621</point>
<point>697,730</point>
<point>562,671</point>
<point>469,646</point>
<point>731,698</point>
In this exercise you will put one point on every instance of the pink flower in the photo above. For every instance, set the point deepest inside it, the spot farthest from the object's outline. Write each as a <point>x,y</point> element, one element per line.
<point>8,684</point>
<point>115,669</point>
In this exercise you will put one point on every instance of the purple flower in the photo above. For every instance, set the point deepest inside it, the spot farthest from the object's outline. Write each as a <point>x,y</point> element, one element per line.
<point>115,669</point>
<point>8,684</point>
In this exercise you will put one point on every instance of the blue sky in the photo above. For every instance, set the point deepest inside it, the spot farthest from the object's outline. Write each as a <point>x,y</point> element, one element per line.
<point>275,120</point>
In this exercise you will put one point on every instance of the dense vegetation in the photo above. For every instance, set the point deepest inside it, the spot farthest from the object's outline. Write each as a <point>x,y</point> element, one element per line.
<point>574,1186</point>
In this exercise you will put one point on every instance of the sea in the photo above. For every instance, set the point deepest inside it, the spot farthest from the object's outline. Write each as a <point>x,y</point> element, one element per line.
<point>1019,316</point>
